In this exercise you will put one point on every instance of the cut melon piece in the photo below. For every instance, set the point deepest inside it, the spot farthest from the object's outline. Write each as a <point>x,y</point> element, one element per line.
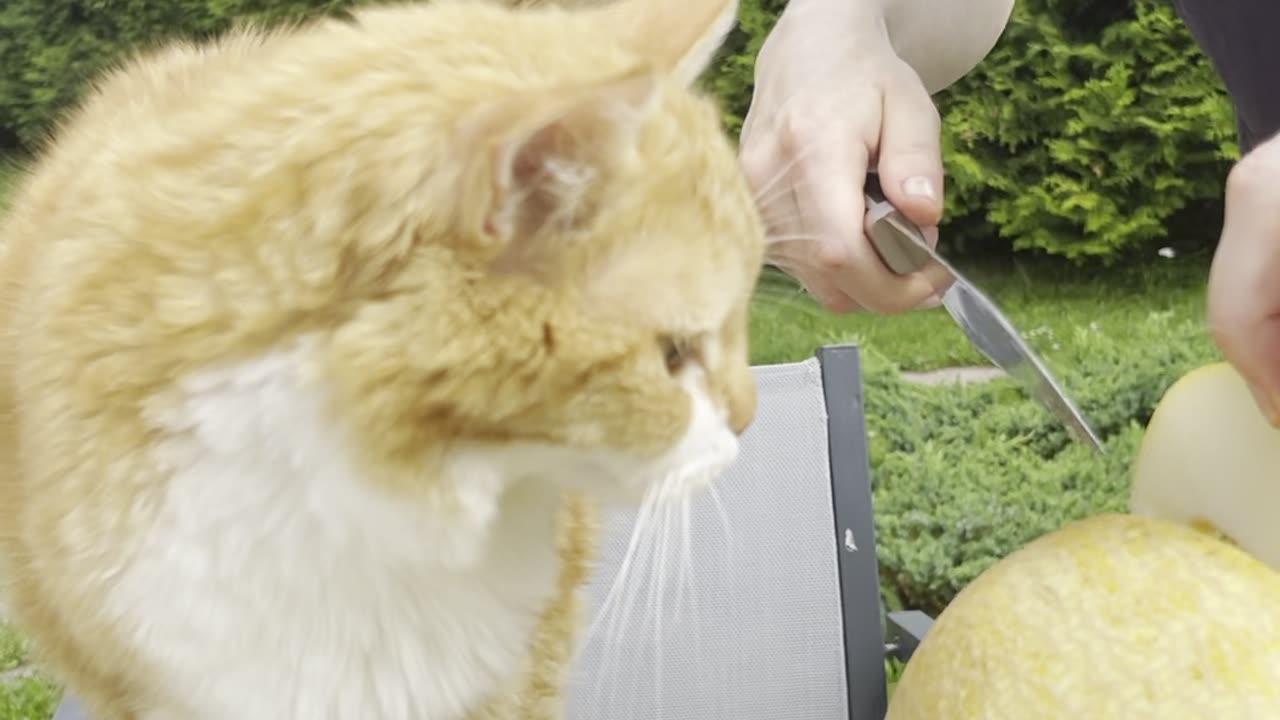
<point>1209,459</point>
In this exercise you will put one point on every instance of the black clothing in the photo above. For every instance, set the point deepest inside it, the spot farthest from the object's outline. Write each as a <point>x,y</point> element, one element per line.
<point>1239,36</point>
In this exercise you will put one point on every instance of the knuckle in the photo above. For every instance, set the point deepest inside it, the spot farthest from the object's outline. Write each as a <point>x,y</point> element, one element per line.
<point>1255,172</point>
<point>1221,323</point>
<point>1225,339</point>
<point>1242,177</point>
<point>832,259</point>
<point>932,116</point>
<point>905,78</point>
<point>928,113</point>
<point>804,120</point>
<point>1224,327</point>
<point>757,163</point>
<point>794,131</point>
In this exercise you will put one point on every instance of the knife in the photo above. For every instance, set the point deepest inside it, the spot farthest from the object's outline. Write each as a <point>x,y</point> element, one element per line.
<point>902,246</point>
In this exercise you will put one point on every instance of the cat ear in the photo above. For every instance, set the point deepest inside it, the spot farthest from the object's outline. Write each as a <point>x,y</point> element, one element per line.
<point>542,153</point>
<point>680,37</point>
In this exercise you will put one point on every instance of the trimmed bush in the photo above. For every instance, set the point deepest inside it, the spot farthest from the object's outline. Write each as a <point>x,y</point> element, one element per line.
<point>50,51</point>
<point>1090,129</point>
<point>965,475</point>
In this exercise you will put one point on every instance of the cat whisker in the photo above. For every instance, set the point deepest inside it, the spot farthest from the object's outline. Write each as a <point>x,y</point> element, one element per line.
<point>635,585</point>
<point>689,571</point>
<point>608,608</point>
<point>765,202</point>
<point>609,624</point>
<point>720,511</point>
<point>767,199</point>
<point>791,299</point>
<point>772,239</point>
<point>661,543</point>
<point>777,219</point>
<point>660,585</point>
<point>784,170</point>
<point>686,556</point>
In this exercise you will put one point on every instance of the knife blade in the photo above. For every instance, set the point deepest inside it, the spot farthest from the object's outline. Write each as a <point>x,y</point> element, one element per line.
<point>903,248</point>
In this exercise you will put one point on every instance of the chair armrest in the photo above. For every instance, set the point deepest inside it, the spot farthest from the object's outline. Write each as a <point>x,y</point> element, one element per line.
<point>905,632</point>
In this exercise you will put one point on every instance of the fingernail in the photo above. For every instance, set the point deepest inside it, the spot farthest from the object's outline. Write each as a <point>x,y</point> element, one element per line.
<point>1265,404</point>
<point>919,186</point>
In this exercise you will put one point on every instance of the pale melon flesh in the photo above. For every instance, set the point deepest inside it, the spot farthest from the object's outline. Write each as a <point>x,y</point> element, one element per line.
<point>1209,458</point>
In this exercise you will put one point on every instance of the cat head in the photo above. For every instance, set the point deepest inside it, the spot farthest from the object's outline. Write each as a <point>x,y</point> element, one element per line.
<point>613,247</point>
<point>521,235</point>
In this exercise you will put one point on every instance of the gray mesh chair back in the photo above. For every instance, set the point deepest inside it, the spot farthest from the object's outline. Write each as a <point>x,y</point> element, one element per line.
<point>779,618</point>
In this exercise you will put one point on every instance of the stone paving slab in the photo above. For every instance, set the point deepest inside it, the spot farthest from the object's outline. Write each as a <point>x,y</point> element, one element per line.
<point>952,375</point>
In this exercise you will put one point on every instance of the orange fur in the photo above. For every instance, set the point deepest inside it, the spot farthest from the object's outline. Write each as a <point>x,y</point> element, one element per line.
<point>501,225</point>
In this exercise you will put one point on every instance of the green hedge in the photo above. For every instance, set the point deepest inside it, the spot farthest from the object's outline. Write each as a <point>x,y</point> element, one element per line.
<point>1091,130</point>
<point>965,475</point>
<point>1089,141</point>
<point>50,49</point>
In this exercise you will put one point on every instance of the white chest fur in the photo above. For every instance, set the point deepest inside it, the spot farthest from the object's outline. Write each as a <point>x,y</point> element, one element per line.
<point>277,585</point>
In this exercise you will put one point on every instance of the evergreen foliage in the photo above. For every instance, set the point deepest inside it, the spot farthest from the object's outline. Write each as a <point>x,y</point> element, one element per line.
<point>1093,130</point>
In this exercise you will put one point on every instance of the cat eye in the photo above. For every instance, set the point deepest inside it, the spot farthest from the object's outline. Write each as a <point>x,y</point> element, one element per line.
<point>676,352</point>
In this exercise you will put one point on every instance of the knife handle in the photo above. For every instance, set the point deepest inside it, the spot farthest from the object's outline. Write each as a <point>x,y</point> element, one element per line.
<point>886,225</point>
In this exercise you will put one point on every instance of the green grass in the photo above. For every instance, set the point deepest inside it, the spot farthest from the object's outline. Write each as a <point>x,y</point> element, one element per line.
<point>13,649</point>
<point>29,698</point>
<point>8,177</point>
<point>893,669</point>
<point>23,695</point>
<point>1046,302</point>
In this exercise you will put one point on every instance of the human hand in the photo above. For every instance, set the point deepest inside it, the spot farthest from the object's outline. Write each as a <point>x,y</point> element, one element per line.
<point>832,99</point>
<point>1244,283</point>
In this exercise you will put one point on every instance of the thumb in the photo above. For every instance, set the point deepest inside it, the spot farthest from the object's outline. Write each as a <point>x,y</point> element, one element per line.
<point>910,152</point>
<point>1244,282</point>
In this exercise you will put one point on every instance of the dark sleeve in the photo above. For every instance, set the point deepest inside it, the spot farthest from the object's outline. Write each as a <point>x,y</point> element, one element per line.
<point>1239,38</point>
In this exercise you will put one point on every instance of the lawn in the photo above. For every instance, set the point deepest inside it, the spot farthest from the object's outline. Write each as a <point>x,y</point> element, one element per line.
<point>1046,302</point>
<point>23,695</point>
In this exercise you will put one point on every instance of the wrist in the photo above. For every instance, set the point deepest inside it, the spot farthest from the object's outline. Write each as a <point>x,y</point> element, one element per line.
<point>865,8</point>
<point>840,23</point>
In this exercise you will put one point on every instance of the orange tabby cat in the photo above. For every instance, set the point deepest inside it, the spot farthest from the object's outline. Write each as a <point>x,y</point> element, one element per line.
<point>309,334</point>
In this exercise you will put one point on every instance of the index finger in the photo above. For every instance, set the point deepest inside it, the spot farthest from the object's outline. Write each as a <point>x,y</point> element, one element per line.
<point>1244,283</point>
<point>831,199</point>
